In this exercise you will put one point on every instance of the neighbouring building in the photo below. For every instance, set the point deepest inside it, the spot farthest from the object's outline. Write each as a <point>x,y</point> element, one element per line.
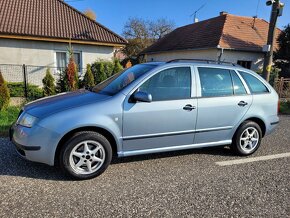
<point>227,37</point>
<point>38,33</point>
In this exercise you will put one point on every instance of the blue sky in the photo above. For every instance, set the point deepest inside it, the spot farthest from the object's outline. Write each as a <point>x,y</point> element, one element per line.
<point>114,13</point>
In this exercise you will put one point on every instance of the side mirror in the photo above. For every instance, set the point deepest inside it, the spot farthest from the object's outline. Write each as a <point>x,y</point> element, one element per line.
<point>142,96</point>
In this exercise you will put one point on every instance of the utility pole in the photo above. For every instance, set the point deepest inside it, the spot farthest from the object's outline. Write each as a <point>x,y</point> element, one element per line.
<point>268,59</point>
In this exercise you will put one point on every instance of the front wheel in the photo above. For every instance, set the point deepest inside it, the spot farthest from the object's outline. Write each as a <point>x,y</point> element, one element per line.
<point>247,139</point>
<point>86,155</point>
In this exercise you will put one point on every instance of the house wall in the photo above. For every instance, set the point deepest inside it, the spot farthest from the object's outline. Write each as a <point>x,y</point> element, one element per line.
<point>212,54</point>
<point>257,58</point>
<point>191,54</point>
<point>39,53</point>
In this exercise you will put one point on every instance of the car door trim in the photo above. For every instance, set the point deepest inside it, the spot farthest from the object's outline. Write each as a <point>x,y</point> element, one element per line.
<point>175,133</point>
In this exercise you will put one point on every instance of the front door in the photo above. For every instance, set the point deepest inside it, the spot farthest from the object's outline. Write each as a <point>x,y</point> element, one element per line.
<point>169,120</point>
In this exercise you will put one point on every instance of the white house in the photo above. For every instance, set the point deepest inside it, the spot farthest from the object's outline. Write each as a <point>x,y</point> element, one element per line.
<point>38,33</point>
<point>227,37</point>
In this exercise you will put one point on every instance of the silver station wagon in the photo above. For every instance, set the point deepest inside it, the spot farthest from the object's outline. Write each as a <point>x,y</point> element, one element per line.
<point>148,108</point>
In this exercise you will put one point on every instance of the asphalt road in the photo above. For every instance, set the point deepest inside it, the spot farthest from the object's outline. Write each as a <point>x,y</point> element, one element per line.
<point>176,184</point>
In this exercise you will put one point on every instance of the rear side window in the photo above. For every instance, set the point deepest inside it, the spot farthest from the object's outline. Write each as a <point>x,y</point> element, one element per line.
<point>255,85</point>
<point>169,84</point>
<point>239,88</point>
<point>215,82</point>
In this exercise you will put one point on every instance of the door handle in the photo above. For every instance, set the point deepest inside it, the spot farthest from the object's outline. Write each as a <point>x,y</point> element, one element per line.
<point>189,107</point>
<point>242,103</point>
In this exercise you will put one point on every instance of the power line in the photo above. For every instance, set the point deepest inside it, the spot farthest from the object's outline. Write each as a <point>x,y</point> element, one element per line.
<point>74,0</point>
<point>258,5</point>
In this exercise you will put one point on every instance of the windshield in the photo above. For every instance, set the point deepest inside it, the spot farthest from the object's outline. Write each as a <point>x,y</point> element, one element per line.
<point>119,81</point>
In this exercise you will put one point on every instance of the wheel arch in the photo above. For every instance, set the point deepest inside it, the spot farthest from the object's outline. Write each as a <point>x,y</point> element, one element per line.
<point>257,120</point>
<point>100,130</point>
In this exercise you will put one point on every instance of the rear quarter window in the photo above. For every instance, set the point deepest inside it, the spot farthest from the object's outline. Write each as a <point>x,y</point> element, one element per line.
<point>254,84</point>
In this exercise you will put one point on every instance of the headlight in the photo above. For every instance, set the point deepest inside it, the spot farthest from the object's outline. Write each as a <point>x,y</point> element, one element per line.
<point>26,120</point>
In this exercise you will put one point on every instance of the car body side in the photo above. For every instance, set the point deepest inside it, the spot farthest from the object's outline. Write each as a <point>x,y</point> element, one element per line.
<point>107,115</point>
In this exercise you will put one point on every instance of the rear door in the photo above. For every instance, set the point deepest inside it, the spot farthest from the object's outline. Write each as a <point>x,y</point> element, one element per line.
<point>168,120</point>
<point>223,101</point>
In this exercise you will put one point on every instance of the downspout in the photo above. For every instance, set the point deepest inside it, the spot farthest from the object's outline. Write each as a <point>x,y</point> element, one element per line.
<point>221,53</point>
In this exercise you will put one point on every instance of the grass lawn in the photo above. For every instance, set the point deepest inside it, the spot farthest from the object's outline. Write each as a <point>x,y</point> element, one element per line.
<point>285,108</point>
<point>7,117</point>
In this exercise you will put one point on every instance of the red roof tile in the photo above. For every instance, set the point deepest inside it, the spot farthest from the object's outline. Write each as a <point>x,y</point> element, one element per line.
<point>51,19</point>
<point>225,31</point>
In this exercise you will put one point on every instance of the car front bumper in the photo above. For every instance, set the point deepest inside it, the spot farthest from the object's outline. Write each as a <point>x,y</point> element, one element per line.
<point>35,144</point>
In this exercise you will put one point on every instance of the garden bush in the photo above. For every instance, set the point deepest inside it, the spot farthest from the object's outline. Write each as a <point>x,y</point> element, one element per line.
<point>17,90</point>
<point>4,94</point>
<point>104,69</point>
<point>88,80</point>
<point>48,84</point>
<point>117,67</point>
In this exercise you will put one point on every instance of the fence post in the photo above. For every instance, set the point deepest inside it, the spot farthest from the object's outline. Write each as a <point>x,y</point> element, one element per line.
<point>25,81</point>
<point>281,86</point>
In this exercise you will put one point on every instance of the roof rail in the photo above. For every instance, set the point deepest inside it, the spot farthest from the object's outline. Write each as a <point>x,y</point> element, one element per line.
<point>201,60</point>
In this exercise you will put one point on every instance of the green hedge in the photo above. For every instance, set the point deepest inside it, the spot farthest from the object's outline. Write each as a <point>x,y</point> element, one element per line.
<point>17,90</point>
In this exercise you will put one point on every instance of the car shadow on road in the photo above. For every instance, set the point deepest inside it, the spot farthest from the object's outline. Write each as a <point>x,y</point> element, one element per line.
<point>13,165</point>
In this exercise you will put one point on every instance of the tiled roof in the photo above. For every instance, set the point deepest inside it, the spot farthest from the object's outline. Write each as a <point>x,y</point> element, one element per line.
<point>225,31</point>
<point>51,19</point>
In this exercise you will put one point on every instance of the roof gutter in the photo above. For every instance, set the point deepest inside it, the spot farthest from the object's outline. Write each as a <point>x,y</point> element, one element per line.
<point>47,39</point>
<point>240,49</point>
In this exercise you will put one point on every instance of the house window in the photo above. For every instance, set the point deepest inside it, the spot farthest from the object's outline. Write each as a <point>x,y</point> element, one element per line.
<point>245,64</point>
<point>62,59</point>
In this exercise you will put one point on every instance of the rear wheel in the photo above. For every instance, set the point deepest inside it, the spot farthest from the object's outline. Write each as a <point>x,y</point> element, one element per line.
<point>247,139</point>
<point>86,155</point>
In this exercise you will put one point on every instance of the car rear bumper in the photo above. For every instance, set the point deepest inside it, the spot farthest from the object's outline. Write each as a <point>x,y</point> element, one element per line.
<point>35,144</point>
<point>273,122</point>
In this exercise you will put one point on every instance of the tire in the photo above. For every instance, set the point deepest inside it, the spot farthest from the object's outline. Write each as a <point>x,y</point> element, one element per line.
<point>247,138</point>
<point>86,155</point>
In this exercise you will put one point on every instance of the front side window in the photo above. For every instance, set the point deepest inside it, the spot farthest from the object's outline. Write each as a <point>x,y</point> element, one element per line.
<point>169,84</point>
<point>215,82</point>
<point>254,84</point>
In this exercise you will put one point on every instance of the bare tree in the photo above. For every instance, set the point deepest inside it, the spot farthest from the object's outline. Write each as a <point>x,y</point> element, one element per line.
<point>90,14</point>
<point>142,33</point>
<point>160,28</point>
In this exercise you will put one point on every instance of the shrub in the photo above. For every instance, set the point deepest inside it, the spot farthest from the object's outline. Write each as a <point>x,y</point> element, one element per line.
<point>99,71</point>
<point>117,67</point>
<point>17,90</point>
<point>104,69</point>
<point>88,80</point>
<point>4,94</point>
<point>72,74</point>
<point>62,83</point>
<point>48,84</point>
<point>34,92</point>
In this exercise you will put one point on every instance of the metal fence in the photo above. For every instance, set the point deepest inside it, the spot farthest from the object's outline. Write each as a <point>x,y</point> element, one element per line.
<point>282,86</point>
<point>26,80</point>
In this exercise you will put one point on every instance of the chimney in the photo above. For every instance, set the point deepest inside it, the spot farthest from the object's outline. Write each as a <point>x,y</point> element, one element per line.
<point>223,13</point>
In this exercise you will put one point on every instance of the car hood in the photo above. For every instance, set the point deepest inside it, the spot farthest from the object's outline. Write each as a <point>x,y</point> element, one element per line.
<point>50,105</point>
